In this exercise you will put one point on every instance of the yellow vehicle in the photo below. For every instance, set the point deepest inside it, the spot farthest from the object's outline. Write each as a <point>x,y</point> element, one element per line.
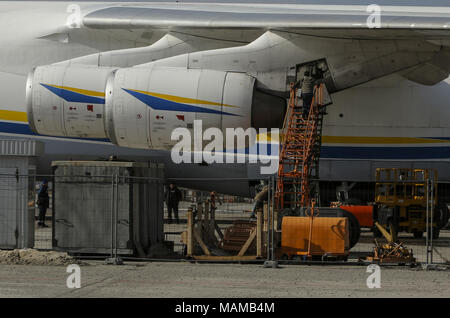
<point>401,201</point>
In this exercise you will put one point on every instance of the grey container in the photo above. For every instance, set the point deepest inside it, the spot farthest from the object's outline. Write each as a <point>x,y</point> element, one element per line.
<point>84,204</point>
<point>17,174</point>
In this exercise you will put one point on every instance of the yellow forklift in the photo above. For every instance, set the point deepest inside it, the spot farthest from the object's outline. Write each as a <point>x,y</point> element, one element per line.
<point>401,202</point>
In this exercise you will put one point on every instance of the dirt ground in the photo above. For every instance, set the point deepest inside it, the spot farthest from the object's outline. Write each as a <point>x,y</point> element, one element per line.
<point>47,277</point>
<point>34,257</point>
<point>181,279</point>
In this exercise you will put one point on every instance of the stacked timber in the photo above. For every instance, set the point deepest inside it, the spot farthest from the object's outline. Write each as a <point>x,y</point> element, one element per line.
<point>237,235</point>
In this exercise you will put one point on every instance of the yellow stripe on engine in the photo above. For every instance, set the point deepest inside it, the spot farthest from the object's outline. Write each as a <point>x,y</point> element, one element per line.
<point>183,100</point>
<point>80,91</point>
<point>13,115</point>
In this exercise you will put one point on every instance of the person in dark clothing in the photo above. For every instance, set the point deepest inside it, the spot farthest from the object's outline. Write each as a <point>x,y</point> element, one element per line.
<point>173,197</point>
<point>43,202</point>
<point>259,200</point>
<point>307,88</point>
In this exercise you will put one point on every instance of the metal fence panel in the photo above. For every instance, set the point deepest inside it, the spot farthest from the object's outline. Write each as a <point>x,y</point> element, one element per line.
<point>16,214</point>
<point>215,216</point>
<point>82,215</point>
<point>84,219</point>
<point>438,239</point>
<point>8,208</point>
<point>107,207</point>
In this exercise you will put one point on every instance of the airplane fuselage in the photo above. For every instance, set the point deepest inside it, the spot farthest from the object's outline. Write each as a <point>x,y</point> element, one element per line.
<point>387,122</point>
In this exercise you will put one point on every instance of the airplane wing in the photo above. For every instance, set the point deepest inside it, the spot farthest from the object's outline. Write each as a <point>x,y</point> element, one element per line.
<point>244,82</point>
<point>431,25</point>
<point>339,21</point>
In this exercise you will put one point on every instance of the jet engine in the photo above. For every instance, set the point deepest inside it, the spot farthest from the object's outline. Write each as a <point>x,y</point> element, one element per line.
<point>144,105</point>
<point>67,101</point>
<point>139,107</point>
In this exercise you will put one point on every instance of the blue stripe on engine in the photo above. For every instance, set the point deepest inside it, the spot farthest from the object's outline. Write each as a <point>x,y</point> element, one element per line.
<point>74,97</point>
<point>163,104</point>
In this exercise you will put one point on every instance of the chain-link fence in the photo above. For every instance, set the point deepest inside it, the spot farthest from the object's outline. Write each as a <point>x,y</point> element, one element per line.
<point>215,226</point>
<point>131,215</point>
<point>219,210</point>
<point>42,233</point>
<point>16,209</point>
<point>359,198</point>
<point>120,215</point>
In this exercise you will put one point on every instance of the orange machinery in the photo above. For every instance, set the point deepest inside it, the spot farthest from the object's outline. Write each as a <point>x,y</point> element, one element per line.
<point>310,236</point>
<point>329,236</point>
<point>364,214</point>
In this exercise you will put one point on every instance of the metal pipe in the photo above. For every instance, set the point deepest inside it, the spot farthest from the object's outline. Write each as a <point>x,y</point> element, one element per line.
<point>432,223</point>
<point>427,218</point>
<point>268,219</point>
<point>116,214</point>
<point>112,216</point>
<point>272,183</point>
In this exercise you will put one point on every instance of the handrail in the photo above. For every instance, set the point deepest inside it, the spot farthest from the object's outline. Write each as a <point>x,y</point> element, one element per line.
<point>303,139</point>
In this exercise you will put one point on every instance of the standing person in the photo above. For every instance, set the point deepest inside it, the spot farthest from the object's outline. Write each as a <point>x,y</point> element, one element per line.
<point>212,199</point>
<point>43,202</point>
<point>259,199</point>
<point>173,197</point>
<point>307,88</point>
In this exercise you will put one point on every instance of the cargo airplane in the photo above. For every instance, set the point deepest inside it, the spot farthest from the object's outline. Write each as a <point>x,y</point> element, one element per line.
<point>94,79</point>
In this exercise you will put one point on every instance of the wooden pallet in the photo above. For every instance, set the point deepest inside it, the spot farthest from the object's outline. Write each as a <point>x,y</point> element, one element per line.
<point>238,238</point>
<point>237,235</point>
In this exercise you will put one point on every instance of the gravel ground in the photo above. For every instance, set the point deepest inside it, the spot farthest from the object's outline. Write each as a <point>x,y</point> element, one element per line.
<point>179,280</point>
<point>47,277</point>
<point>34,257</point>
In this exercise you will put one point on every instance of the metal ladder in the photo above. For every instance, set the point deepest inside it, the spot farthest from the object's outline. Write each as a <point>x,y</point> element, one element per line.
<point>300,152</point>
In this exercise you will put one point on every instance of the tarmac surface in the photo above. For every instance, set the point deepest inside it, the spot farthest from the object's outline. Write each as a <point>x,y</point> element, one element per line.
<point>183,279</point>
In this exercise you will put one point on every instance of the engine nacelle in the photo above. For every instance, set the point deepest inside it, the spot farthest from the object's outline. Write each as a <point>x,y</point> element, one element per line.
<point>139,107</point>
<point>67,101</point>
<point>144,105</point>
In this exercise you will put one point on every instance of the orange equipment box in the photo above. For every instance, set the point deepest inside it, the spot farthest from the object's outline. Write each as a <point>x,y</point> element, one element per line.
<point>364,214</point>
<point>329,236</point>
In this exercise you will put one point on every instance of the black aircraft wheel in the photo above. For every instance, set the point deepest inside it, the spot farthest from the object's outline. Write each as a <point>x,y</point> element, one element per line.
<point>354,228</point>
